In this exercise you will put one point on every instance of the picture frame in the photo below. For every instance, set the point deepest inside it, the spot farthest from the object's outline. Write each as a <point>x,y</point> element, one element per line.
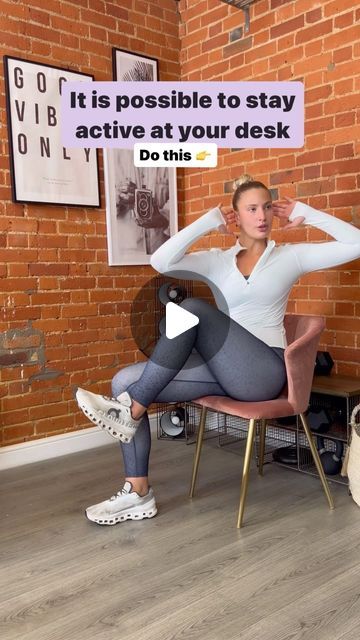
<point>141,202</point>
<point>42,170</point>
<point>128,66</point>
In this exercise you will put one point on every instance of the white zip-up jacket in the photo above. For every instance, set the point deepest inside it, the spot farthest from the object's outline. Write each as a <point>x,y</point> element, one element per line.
<point>258,303</point>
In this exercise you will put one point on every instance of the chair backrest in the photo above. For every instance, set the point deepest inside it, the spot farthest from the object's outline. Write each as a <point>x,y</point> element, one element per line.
<point>303,335</point>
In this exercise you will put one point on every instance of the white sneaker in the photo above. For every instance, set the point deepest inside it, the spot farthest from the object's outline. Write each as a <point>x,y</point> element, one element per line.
<point>125,505</point>
<point>113,415</point>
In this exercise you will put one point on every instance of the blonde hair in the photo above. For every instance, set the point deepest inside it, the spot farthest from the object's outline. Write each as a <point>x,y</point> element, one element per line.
<point>242,180</point>
<point>243,183</point>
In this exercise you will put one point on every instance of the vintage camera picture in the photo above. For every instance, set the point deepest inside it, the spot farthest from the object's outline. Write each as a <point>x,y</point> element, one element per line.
<point>141,207</point>
<point>141,204</point>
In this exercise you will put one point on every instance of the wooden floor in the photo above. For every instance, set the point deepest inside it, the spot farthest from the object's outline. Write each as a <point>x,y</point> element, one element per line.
<point>292,572</point>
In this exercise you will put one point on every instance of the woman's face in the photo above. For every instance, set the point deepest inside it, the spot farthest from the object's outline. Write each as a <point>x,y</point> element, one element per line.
<point>254,213</point>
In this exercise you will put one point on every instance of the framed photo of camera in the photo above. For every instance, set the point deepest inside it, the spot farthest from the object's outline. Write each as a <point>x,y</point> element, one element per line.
<point>141,203</point>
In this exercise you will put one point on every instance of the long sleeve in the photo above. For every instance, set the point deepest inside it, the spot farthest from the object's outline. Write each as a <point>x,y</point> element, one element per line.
<point>170,257</point>
<point>322,255</point>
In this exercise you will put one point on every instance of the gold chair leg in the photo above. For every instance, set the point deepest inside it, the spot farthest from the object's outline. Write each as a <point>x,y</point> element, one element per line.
<point>262,445</point>
<point>246,470</point>
<point>199,440</point>
<point>317,461</point>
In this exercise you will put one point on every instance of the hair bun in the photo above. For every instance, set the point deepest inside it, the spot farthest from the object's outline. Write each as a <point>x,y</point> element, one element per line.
<point>242,180</point>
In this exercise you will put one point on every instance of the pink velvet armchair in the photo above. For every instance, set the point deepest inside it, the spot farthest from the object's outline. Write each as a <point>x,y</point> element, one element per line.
<point>303,334</point>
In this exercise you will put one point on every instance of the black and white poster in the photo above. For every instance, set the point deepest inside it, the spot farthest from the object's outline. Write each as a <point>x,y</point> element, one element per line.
<point>141,203</point>
<point>42,169</point>
<point>130,67</point>
<point>140,207</point>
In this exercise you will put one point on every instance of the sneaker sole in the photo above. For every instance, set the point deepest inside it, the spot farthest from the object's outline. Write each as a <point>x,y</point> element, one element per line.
<point>129,515</point>
<point>114,433</point>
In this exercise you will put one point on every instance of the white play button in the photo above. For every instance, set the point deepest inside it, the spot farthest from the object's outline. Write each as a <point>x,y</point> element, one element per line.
<point>178,320</point>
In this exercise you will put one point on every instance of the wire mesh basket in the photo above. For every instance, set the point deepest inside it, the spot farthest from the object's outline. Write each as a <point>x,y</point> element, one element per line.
<point>233,432</point>
<point>335,439</point>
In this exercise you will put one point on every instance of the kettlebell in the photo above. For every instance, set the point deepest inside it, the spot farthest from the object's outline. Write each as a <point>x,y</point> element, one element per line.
<point>330,460</point>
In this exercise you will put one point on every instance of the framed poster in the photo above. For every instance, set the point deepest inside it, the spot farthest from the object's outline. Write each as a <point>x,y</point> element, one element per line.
<point>42,169</point>
<point>129,66</point>
<point>141,202</point>
<point>141,207</point>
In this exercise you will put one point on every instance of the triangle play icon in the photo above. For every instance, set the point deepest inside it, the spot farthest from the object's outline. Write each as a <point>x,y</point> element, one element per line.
<point>178,320</point>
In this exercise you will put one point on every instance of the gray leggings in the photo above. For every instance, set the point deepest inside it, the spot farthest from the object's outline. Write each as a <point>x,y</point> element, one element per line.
<point>186,368</point>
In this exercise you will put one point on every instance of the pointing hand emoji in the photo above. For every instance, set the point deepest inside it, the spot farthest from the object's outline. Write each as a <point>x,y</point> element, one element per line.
<point>202,155</point>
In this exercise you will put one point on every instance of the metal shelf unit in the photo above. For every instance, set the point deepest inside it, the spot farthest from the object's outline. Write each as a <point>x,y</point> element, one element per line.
<point>338,394</point>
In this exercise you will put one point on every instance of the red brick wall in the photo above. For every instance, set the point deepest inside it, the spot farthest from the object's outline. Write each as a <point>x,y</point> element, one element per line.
<point>316,42</point>
<point>64,319</point>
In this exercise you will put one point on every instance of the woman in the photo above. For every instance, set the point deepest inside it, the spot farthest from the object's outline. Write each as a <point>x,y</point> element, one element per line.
<point>255,277</point>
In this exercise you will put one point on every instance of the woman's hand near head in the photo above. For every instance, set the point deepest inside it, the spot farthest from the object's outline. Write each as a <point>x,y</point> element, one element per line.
<point>228,214</point>
<point>282,210</point>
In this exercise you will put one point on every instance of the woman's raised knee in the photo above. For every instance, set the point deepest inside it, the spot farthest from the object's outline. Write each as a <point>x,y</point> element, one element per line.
<point>125,377</point>
<point>194,305</point>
